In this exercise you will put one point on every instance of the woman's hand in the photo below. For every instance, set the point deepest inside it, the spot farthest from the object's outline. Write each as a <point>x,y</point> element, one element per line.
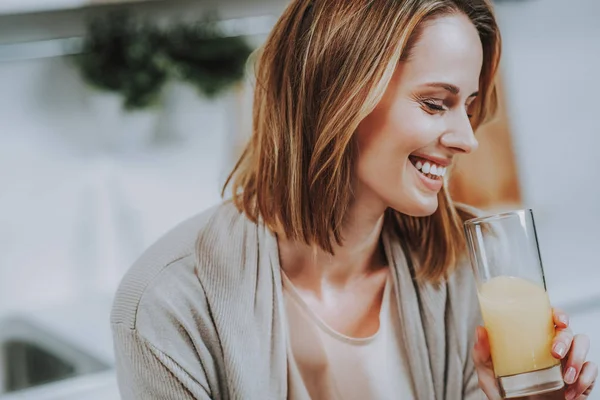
<point>579,374</point>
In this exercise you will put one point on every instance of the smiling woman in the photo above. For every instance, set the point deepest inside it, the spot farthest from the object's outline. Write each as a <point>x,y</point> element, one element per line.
<point>337,270</point>
<point>424,115</point>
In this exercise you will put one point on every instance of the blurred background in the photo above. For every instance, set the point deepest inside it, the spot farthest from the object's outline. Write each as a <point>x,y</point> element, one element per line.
<point>120,119</point>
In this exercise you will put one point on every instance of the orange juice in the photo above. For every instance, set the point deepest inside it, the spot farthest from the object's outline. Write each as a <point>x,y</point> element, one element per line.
<point>518,318</point>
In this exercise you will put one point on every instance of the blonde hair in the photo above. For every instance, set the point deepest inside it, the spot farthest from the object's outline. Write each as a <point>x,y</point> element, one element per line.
<point>323,69</point>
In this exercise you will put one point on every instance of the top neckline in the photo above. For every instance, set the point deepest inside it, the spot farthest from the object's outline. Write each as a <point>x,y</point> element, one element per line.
<point>290,288</point>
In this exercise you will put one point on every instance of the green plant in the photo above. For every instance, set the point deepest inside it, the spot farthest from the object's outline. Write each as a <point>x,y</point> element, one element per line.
<point>201,54</point>
<point>124,55</point>
<point>121,54</point>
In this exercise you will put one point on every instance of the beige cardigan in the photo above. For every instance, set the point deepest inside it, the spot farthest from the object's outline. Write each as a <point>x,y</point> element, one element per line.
<point>200,316</point>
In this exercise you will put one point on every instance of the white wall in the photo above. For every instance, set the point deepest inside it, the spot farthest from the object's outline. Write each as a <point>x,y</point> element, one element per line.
<point>551,65</point>
<point>73,217</point>
<point>62,205</point>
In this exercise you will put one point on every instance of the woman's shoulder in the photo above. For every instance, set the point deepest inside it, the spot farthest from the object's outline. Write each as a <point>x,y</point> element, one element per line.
<point>167,272</point>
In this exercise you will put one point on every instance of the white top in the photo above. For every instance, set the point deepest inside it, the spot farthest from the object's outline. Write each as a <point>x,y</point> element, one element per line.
<point>325,364</point>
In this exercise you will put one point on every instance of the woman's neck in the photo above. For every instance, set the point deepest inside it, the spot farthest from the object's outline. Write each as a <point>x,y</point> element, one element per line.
<point>360,253</point>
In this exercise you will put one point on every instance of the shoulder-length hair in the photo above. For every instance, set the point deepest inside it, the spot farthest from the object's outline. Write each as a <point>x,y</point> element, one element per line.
<point>324,68</point>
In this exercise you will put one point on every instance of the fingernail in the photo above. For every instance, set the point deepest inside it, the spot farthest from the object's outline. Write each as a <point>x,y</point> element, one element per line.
<point>564,319</point>
<point>570,375</point>
<point>560,349</point>
<point>570,395</point>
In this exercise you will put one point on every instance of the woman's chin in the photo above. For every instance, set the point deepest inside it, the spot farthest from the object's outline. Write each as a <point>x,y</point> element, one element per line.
<point>418,208</point>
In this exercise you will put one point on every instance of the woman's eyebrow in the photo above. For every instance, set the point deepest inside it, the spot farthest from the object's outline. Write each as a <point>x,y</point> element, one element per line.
<point>449,87</point>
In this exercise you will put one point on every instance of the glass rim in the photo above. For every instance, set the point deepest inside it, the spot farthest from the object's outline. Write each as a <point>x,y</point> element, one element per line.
<point>495,217</point>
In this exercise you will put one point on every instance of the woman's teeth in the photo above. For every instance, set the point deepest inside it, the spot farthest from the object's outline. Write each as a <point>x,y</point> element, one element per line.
<point>430,169</point>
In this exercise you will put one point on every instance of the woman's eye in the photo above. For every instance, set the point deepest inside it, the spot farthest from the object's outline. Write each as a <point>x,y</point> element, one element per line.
<point>434,106</point>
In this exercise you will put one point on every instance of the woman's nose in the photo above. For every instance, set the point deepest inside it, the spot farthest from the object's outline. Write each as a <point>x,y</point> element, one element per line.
<point>461,138</point>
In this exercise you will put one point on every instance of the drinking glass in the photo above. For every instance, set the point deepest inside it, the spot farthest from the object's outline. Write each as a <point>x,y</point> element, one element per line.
<point>514,304</point>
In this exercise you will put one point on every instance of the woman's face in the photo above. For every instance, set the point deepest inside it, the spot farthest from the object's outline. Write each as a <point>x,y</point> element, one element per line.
<point>408,142</point>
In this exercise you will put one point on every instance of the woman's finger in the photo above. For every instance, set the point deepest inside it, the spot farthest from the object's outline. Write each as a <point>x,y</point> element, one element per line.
<point>483,363</point>
<point>482,355</point>
<point>562,343</point>
<point>579,349</point>
<point>561,319</point>
<point>585,383</point>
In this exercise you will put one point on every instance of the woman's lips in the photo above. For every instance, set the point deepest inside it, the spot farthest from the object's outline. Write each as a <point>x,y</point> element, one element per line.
<point>428,167</point>
<point>431,181</point>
